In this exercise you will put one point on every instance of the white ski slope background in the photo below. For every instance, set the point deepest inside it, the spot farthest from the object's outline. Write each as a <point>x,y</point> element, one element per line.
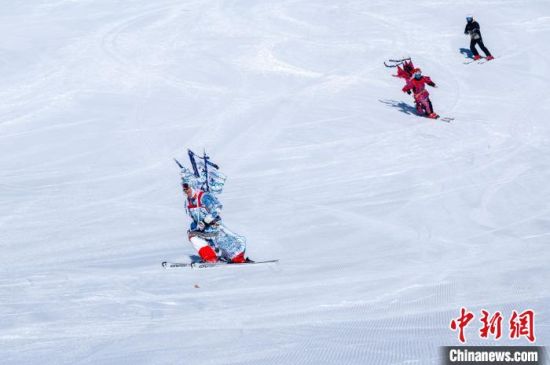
<point>386,224</point>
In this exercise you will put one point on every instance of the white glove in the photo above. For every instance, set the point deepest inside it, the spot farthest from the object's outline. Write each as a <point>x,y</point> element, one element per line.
<point>208,219</point>
<point>201,225</point>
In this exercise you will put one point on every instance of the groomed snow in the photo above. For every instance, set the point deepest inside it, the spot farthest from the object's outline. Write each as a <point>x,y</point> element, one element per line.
<point>385,223</point>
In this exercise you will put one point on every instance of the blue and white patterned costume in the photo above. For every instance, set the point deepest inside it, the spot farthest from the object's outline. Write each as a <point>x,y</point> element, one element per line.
<point>207,228</point>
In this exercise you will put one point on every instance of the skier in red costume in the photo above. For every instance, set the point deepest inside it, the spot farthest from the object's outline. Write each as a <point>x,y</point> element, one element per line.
<point>417,85</point>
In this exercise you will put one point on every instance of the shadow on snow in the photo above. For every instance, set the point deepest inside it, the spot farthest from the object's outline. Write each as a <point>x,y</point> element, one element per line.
<point>401,106</point>
<point>466,53</point>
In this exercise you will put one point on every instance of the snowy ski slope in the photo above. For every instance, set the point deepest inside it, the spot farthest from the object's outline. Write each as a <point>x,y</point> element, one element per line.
<point>385,223</point>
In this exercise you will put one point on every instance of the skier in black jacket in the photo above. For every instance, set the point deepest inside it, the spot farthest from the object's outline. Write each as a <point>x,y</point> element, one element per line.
<point>472,28</point>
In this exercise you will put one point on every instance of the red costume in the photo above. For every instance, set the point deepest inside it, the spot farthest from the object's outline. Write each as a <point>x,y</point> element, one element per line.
<point>417,84</point>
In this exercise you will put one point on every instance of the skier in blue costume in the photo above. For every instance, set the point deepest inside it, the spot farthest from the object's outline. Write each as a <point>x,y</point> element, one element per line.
<point>212,240</point>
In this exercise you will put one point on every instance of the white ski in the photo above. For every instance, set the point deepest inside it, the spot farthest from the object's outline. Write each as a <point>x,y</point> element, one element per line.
<point>205,265</point>
<point>446,119</point>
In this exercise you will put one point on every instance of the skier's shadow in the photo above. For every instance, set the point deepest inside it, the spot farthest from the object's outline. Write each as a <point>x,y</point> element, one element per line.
<point>466,52</point>
<point>401,106</point>
<point>195,258</point>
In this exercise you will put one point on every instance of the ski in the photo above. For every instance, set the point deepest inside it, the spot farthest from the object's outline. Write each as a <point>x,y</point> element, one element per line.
<point>485,60</point>
<point>443,119</point>
<point>480,61</point>
<point>385,64</point>
<point>439,117</point>
<point>170,265</point>
<point>472,60</point>
<point>396,62</point>
<point>401,60</point>
<point>205,265</point>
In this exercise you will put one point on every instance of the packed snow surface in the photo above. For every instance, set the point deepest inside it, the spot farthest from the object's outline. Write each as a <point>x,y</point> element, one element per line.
<point>385,223</point>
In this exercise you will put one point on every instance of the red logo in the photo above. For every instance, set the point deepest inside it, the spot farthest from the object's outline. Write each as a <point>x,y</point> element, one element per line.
<point>523,324</point>
<point>520,324</point>
<point>491,326</point>
<point>461,322</point>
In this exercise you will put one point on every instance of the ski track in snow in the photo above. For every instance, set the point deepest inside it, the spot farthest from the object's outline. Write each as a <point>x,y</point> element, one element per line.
<point>385,223</point>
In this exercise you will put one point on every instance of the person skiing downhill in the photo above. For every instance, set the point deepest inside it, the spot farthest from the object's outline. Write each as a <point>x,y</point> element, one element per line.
<point>417,85</point>
<point>206,229</point>
<point>472,28</point>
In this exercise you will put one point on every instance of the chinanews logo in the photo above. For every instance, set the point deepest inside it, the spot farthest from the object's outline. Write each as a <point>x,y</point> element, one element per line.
<point>482,355</point>
<point>494,326</point>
